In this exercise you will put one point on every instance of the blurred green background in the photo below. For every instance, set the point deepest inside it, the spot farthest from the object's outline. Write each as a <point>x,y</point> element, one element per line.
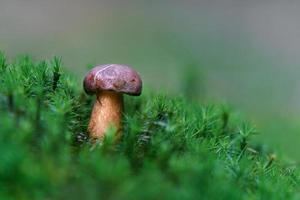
<point>244,53</point>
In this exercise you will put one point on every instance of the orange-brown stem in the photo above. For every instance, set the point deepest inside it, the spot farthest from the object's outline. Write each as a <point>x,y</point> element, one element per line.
<point>107,112</point>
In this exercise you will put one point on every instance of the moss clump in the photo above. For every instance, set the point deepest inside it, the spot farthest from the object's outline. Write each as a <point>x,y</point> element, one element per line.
<point>171,148</point>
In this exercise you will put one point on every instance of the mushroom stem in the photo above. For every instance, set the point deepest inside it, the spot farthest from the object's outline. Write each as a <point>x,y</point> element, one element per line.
<point>107,112</point>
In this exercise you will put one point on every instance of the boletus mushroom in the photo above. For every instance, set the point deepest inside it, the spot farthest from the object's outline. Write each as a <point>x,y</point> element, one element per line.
<point>109,82</point>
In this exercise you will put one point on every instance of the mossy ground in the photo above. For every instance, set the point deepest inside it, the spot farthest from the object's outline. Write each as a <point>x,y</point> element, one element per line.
<point>171,148</point>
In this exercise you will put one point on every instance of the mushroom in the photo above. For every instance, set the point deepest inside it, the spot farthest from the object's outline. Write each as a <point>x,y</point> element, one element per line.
<point>109,82</point>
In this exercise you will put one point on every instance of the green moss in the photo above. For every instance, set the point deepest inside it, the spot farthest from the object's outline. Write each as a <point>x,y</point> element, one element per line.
<point>171,148</point>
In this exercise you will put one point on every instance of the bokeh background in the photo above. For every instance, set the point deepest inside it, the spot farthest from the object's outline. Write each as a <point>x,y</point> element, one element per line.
<point>244,53</point>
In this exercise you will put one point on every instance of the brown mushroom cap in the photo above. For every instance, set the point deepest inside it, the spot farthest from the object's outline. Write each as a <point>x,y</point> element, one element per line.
<point>113,77</point>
